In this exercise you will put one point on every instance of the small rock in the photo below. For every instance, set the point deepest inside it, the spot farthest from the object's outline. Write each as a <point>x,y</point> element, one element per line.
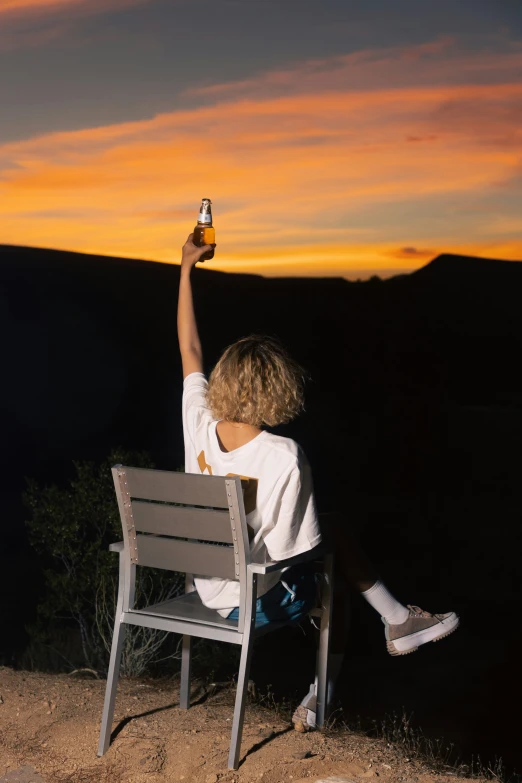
<point>301,755</point>
<point>1,699</point>
<point>211,779</point>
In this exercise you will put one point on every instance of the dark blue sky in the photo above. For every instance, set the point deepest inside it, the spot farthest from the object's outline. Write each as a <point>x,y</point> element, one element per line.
<point>77,65</point>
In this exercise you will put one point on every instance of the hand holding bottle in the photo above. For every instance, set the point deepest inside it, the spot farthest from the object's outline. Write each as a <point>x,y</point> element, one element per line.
<point>190,254</point>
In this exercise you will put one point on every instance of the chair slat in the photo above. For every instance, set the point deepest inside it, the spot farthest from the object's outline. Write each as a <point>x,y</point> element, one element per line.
<point>183,627</point>
<point>186,556</point>
<point>182,521</point>
<point>173,487</point>
<point>188,607</point>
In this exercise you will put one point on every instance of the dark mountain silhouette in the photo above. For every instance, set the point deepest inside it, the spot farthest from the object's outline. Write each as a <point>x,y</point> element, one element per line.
<point>467,268</point>
<point>413,426</point>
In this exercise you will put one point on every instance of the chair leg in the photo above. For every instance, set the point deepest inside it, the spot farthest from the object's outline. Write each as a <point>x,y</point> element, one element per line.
<point>239,709</point>
<point>324,643</point>
<point>184,692</point>
<point>110,690</point>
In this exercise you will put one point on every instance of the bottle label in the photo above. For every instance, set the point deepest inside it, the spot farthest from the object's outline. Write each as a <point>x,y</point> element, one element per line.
<point>204,217</point>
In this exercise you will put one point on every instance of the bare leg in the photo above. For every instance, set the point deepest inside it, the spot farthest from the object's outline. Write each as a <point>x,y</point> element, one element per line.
<point>340,616</point>
<point>406,627</point>
<point>351,562</point>
<point>352,568</point>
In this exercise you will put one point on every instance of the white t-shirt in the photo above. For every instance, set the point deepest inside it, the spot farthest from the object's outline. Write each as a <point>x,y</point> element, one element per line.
<point>279,499</point>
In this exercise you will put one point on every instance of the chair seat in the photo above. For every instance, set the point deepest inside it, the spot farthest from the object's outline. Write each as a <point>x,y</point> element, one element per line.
<point>188,607</point>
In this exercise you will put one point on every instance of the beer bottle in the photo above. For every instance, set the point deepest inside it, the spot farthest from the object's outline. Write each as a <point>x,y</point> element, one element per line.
<point>204,233</point>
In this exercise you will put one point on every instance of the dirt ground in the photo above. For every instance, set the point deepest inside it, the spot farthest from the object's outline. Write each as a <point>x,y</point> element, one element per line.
<point>49,728</point>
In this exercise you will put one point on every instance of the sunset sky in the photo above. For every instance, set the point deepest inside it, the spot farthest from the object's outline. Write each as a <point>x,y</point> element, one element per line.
<point>334,137</point>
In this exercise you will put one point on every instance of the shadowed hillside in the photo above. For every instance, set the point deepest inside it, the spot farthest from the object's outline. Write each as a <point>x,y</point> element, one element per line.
<point>413,425</point>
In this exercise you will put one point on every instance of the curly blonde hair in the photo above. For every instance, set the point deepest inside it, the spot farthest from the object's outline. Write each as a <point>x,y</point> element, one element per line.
<point>256,382</point>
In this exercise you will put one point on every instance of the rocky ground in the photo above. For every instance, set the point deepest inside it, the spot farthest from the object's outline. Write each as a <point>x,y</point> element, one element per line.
<point>49,728</point>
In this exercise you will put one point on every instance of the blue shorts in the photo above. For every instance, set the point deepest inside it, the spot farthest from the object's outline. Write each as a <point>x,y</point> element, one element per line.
<point>288,604</point>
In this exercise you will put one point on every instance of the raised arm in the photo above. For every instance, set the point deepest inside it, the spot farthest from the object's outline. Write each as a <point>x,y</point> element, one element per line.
<point>189,343</point>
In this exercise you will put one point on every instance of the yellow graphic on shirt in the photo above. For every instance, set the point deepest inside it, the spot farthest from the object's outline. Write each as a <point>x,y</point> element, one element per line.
<point>248,484</point>
<point>202,462</point>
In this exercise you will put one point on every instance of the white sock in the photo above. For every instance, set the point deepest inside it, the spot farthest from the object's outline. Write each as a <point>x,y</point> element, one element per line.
<point>383,602</point>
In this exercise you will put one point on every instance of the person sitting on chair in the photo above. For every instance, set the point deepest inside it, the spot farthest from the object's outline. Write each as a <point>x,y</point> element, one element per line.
<point>255,385</point>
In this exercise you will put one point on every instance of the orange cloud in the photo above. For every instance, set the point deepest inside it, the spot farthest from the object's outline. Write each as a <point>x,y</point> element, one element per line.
<point>327,181</point>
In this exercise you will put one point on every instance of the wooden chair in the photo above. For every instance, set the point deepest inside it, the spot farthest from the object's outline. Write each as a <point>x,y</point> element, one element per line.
<point>189,537</point>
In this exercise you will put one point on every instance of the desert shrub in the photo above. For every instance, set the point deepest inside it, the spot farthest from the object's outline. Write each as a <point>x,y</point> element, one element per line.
<point>71,528</point>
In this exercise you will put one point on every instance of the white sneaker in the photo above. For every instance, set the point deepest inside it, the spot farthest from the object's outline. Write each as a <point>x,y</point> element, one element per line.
<point>419,628</point>
<point>304,716</point>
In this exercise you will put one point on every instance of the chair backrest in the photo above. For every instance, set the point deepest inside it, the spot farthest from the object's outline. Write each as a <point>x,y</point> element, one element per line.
<point>183,522</point>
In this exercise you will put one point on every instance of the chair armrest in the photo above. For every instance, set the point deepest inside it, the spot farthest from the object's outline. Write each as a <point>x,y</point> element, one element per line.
<point>117,547</point>
<point>304,557</point>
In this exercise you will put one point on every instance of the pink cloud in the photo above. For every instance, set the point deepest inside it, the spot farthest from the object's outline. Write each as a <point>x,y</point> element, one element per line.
<point>28,23</point>
<point>439,62</point>
<point>413,253</point>
<point>430,137</point>
<point>25,8</point>
<point>419,51</point>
